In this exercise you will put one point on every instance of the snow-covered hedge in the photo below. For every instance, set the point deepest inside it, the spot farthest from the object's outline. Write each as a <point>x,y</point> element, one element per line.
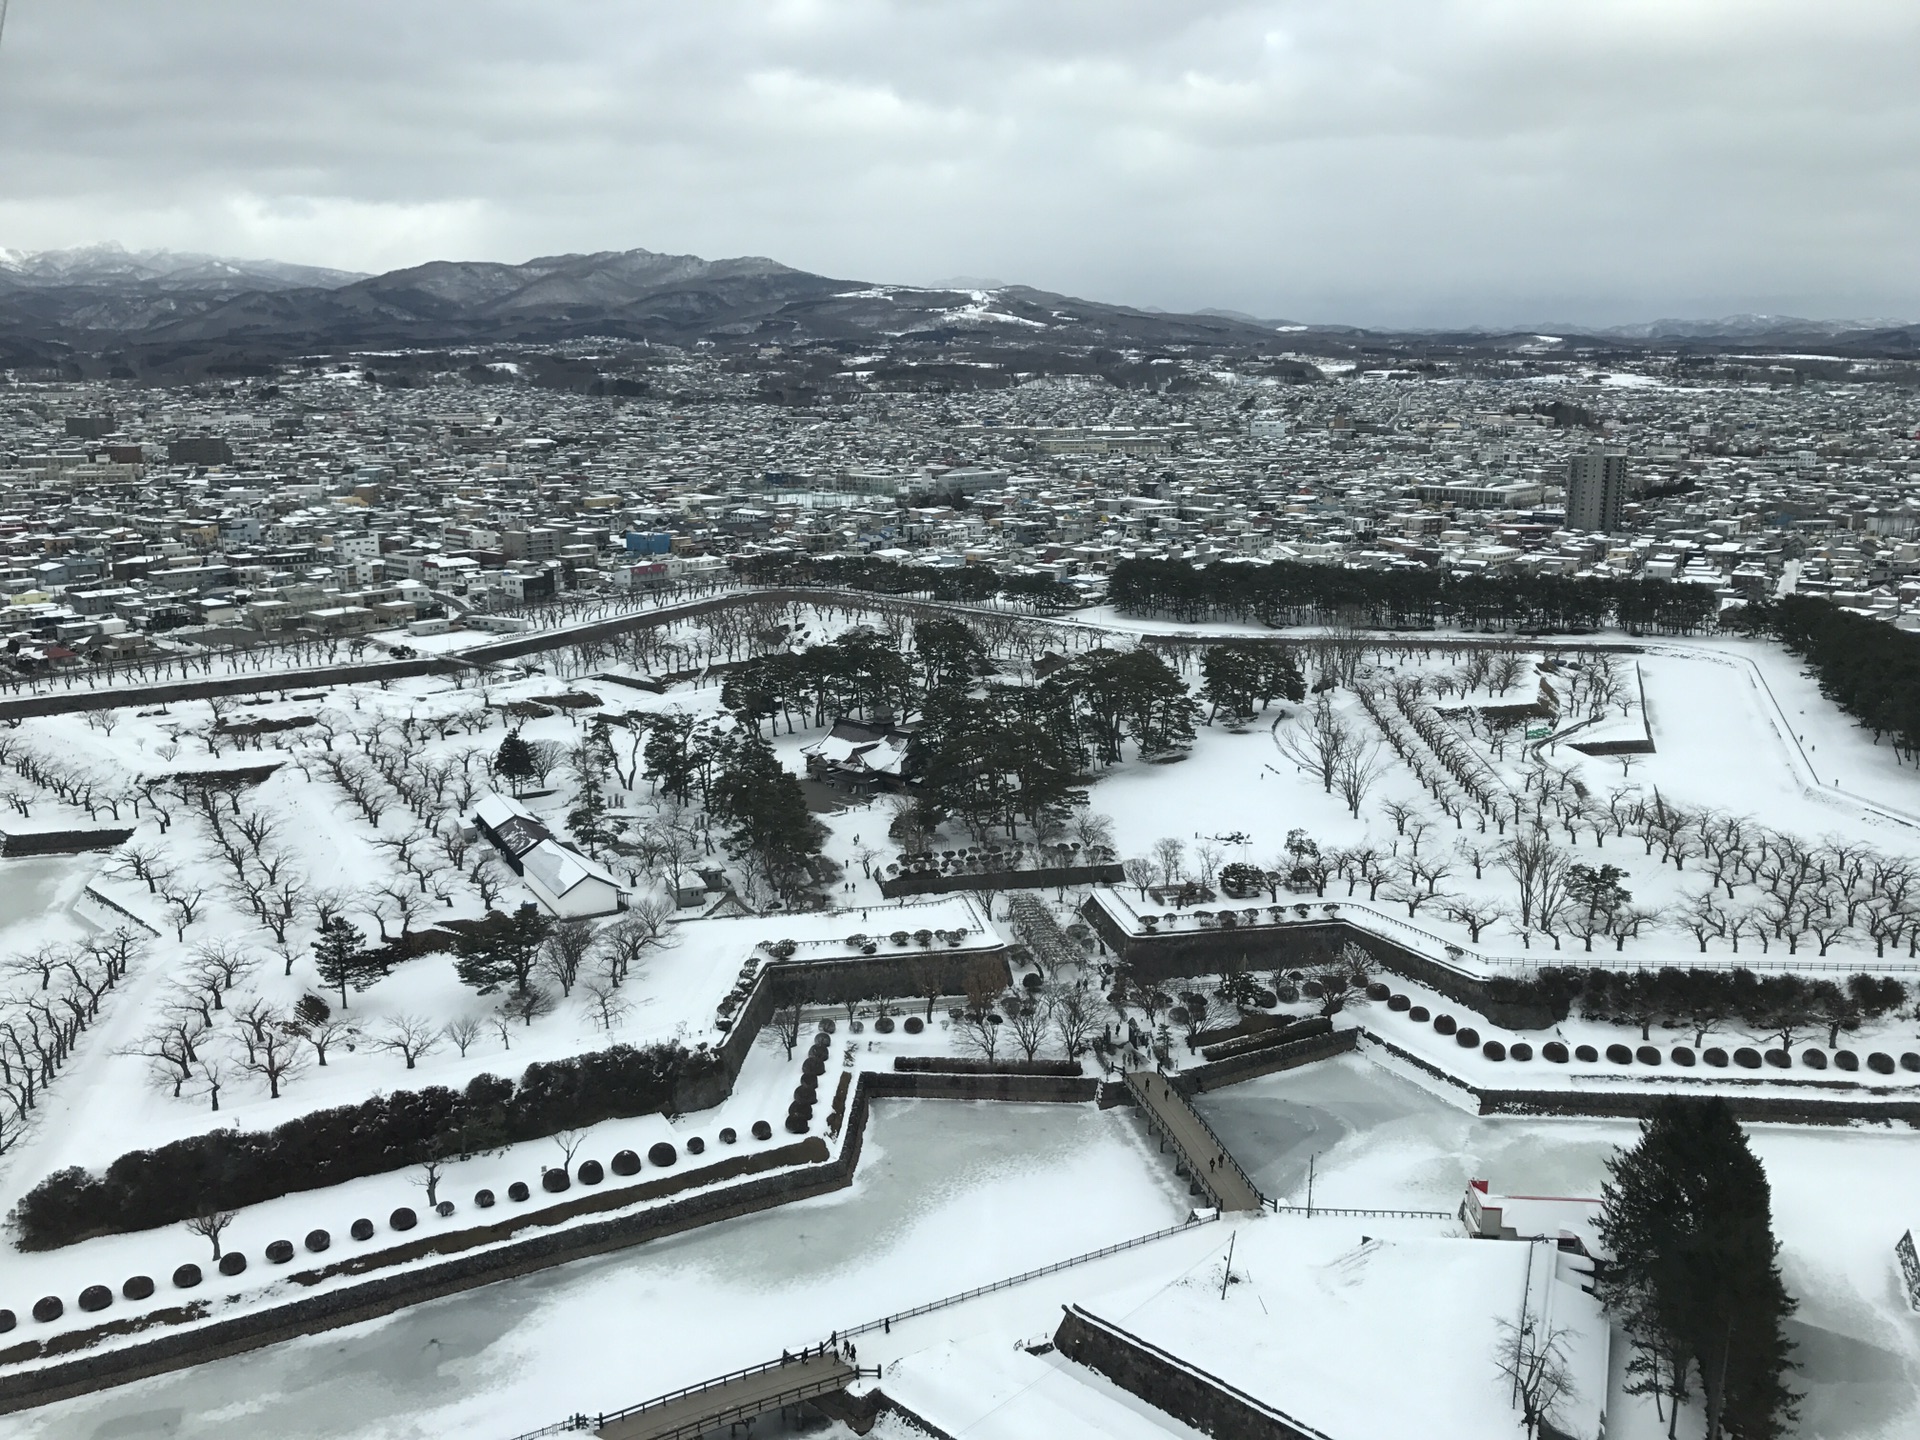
<point>225,1169</point>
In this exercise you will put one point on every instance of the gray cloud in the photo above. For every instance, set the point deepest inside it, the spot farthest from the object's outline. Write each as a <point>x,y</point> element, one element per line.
<point>1412,161</point>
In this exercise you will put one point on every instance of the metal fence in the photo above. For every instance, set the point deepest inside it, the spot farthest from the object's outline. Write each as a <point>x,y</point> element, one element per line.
<point>887,1321</point>
<point>1312,1210</point>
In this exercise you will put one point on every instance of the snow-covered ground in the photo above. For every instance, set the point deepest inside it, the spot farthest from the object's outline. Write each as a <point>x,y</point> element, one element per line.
<point>1842,1197</point>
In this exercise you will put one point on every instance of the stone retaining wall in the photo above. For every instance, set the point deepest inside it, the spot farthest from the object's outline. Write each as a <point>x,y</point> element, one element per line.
<point>1614,1104</point>
<point>1158,958</point>
<point>1043,879</point>
<point>1170,1384</point>
<point>928,1085</point>
<point>63,842</point>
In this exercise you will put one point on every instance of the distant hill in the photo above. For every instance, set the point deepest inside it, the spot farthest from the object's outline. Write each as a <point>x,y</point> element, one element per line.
<point>159,306</point>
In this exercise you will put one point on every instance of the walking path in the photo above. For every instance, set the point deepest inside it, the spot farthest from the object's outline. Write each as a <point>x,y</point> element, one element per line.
<point>1207,1160</point>
<point>745,1395</point>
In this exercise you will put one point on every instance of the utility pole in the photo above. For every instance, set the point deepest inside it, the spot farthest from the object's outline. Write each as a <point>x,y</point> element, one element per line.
<point>1310,1162</point>
<point>1226,1277</point>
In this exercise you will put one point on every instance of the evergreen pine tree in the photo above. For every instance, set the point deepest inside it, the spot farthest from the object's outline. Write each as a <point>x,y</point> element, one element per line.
<point>1694,1277</point>
<point>501,950</point>
<point>341,960</point>
<point>514,760</point>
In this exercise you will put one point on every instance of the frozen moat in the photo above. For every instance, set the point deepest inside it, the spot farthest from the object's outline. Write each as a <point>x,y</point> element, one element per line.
<point>949,1195</point>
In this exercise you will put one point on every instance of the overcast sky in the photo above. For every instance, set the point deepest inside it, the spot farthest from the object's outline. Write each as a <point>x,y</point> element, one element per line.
<point>1368,161</point>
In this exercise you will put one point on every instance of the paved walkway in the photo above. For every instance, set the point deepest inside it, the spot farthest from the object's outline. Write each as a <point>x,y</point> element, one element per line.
<point>687,1414</point>
<point>1206,1158</point>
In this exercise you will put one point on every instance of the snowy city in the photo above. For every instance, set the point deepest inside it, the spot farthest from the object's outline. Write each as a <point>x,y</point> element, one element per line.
<point>778,837</point>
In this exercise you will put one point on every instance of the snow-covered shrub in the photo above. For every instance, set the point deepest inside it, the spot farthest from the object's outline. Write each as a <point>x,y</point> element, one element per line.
<point>403,1218</point>
<point>186,1277</point>
<point>1556,1052</point>
<point>728,1135</point>
<point>1585,1054</point>
<point>661,1154</point>
<point>762,1130</point>
<point>1493,1050</point>
<point>1846,1060</point>
<point>318,1240</point>
<point>361,1229</point>
<point>1619,1054</point>
<point>233,1263</point>
<point>1520,1050</point>
<point>1880,1063</point>
<point>1647,1055</point>
<point>443,1209</point>
<point>592,1172</point>
<point>518,1191</point>
<point>1445,1024</point>
<point>1466,1037</point>
<point>49,1308</point>
<point>95,1297</point>
<point>696,1146</point>
<point>483,1199</point>
<point>553,1180</point>
<point>279,1252</point>
<point>137,1287</point>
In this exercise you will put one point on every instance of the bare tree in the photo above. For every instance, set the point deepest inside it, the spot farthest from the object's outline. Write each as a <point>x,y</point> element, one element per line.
<point>171,1049</point>
<point>1534,1359</point>
<point>566,948</point>
<point>980,1024</point>
<point>1029,1018</point>
<point>314,1022</point>
<point>529,1005</point>
<point>1316,741</point>
<point>569,1142</point>
<point>1169,859</point>
<point>1072,1009</point>
<point>786,1027</point>
<point>626,942</point>
<point>427,1175</point>
<point>604,1002</point>
<point>144,861</point>
<point>1476,915</point>
<point>211,1226</point>
<point>1139,873</point>
<point>185,901</point>
<point>270,1052</point>
<point>409,1036</point>
<point>1357,767</point>
<point>462,1032</point>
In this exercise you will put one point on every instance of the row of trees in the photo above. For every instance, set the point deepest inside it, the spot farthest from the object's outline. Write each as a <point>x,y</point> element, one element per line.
<point>1280,593</point>
<point>226,1169</point>
<point>52,997</point>
<point>965,583</point>
<point>1867,667</point>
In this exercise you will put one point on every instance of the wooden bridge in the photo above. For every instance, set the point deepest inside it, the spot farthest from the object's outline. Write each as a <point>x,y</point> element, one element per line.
<point>1208,1163</point>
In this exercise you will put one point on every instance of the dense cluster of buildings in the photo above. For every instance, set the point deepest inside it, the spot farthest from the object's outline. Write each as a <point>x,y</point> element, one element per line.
<point>322,502</point>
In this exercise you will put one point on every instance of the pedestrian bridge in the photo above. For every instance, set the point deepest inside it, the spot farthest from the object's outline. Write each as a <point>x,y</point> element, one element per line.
<point>730,1399</point>
<point>1207,1162</point>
